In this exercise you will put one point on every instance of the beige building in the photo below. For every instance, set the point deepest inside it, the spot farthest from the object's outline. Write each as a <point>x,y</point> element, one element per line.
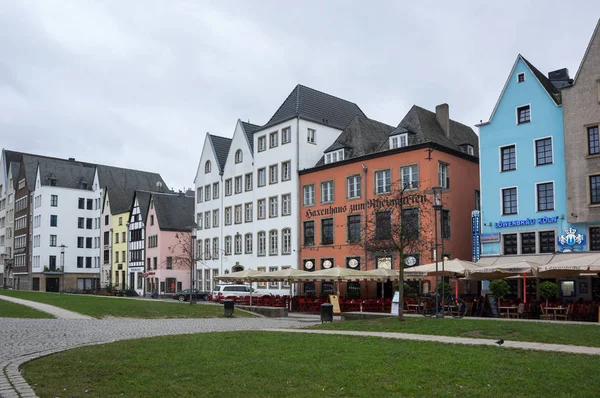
<point>581,115</point>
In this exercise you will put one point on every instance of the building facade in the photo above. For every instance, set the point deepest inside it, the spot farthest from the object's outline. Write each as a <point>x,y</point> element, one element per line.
<point>581,121</point>
<point>249,185</point>
<point>523,184</point>
<point>370,171</point>
<point>136,243</point>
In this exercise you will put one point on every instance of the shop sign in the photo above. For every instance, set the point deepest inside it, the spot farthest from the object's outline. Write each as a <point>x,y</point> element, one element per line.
<point>371,204</point>
<point>476,234</point>
<point>490,237</point>
<point>571,240</point>
<point>526,221</point>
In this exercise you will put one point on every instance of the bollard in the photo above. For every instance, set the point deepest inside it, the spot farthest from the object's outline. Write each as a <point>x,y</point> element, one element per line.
<point>326,312</point>
<point>228,306</point>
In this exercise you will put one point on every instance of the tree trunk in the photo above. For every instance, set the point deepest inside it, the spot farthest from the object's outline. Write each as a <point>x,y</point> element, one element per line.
<point>401,289</point>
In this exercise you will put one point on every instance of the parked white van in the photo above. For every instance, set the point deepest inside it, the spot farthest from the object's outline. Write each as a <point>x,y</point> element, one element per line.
<point>233,290</point>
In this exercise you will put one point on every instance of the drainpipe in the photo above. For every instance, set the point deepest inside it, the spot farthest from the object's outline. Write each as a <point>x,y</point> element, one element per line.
<point>299,195</point>
<point>365,169</point>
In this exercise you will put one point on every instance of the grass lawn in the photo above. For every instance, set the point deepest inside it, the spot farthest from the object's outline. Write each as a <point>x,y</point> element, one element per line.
<point>267,364</point>
<point>541,332</point>
<point>99,307</point>
<point>12,310</point>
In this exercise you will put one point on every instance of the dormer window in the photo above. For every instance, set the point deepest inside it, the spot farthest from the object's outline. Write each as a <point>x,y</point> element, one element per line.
<point>239,156</point>
<point>468,149</point>
<point>53,182</point>
<point>398,141</point>
<point>520,77</point>
<point>335,156</point>
<point>207,167</point>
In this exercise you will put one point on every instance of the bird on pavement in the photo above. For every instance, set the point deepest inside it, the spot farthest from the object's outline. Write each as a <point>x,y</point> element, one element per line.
<point>500,342</point>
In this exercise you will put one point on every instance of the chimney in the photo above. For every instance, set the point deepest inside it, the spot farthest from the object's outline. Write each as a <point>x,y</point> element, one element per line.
<point>442,115</point>
<point>71,159</point>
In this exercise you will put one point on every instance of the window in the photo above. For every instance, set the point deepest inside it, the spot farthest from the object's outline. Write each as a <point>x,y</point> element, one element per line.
<point>547,241</point>
<point>215,190</point>
<point>88,243</point>
<point>54,200</point>
<point>308,194</point>
<point>207,249</point>
<point>215,248</point>
<point>445,232</point>
<point>523,114</point>
<point>353,183</point>
<point>594,236</point>
<point>238,244</point>
<point>169,262</point>
<point>199,219</point>
<point>262,178</point>
<point>238,214</point>
<point>89,223</point>
<point>528,243</point>
<point>151,220</point>
<point>273,139</point>
<point>53,220</point>
<point>399,141</point>
<point>354,227</point>
<point>248,212</point>
<point>410,177</point>
<point>198,194</point>
<point>286,135</point>
<point>81,203</point>
<point>286,204</point>
<point>509,201</point>
<point>520,77</point>
<point>79,262</point>
<point>124,236</point>
<point>90,204</point>
<point>383,181</point>
<point>383,225</point>
<point>595,189</point>
<point>207,167</point>
<point>248,182</point>
<point>228,245</point>
<point>332,157</point>
<point>106,220</point>
<point>273,207</point>
<point>273,242</point>
<point>543,151</point>
<point>286,171</point>
<point>52,240</point>
<point>248,244</point>
<point>443,175</point>
<point>510,243</point>
<point>262,209</point>
<point>327,192</point>
<point>116,256</point>
<point>228,184</point>
<point>470,150</point>
<point>593,141</point>
<point>308,233</point>
<point>117,238</point>
<point>311,136</point>
<point>239,157</point>
<point>286,241</point>
<point>207,192</point>
<point>262,243</point>
<point>215,218</point>
<point>106,238</point>
<point>545,196</point>
<point>273,174</point>
<point>509,158</point>
<point>80,222</point>
<point>327,231</point>
<point>262,143</point>
<point>207,219</point>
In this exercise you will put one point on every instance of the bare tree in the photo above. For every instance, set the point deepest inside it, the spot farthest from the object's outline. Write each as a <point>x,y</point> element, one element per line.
<point>185,256</point>
<point>399,222</point>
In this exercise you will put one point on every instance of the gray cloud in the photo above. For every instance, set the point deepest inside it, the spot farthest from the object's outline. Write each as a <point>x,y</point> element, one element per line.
<point>138,83</point>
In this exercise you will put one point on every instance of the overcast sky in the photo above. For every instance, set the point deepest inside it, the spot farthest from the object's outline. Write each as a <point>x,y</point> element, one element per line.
<point>138,83</point>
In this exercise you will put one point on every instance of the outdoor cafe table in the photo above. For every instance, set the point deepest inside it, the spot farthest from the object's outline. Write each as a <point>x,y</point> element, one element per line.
<point>555,310</point>
<point>509,310</point>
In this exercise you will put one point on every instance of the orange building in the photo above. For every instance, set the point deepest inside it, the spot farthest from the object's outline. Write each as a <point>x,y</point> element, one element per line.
<point>370,162</point>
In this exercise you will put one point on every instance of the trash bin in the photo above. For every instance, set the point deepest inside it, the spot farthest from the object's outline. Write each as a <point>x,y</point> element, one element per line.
<point>326,312</point>
<point>228,305</point>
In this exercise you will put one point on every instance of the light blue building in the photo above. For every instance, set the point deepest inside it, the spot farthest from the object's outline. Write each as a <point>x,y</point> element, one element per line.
<point>522,167</point>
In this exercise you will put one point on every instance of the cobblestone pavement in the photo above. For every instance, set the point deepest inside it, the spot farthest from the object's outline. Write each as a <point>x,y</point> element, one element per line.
<point>24,339</point>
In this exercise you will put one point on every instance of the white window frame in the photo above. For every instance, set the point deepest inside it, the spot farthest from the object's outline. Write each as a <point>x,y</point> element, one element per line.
<point>261,173</point>
<point>399,141</point>
<point>237,244</point>
<point>535,140</point>
<point>248,212</point>
<point>286,138</point>
<point>517,114</point>
<point>327,191</point>
<point>413,183</point>
<point>311,136</point>
<point>248,242</point>
<point>286,170</point>
<point>274,139</point>
<point>238,184</point>
<point>286,241</point>
<point>443,181</point>
<point>237,214</point>
<point>273,206</point>
<point>261,140</point>
<point>261,243</point>
<point>308,195</point>
<point>273,174</point>
<point>383,184</point>
<point>228,245</point>
<point>228,187</point>
<point>228,215</point>
<point>248,181</point>
<point>354,186</point>
<point>239,156</point>
<point>262,209</point>
<point>502,201</point>
<point>286,204</point>
<point>273,242</point>
<point>536,196</point>
<point>215,221</point>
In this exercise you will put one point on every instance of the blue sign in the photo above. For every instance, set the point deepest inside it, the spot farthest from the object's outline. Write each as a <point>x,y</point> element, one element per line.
<point>526,221</point>
<point>476,234</point>
<point>571,241</point>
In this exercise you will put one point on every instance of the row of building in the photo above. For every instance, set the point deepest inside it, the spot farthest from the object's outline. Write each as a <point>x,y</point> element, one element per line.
<point>315,186</point>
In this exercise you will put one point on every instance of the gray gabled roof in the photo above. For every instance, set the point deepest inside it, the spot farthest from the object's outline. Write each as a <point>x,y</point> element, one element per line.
<point>68,174</point>
<point>175,212</point>
<point>14,167</point>
<point>249,130</point>
<point>309,104</point>
<point>422,126</point>
<point>221,146</point>
<point>544,81</point>
<point>361,137</point>
<point>143,198</point>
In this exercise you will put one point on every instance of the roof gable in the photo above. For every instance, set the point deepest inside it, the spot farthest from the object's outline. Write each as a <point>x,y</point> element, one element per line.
<point>65,173</point>
<point>595,40</point>
<point>220,146</point>
<point>174,212</point>
<point>312,105</point>
<point>143,200</point>
<point>249,130</point>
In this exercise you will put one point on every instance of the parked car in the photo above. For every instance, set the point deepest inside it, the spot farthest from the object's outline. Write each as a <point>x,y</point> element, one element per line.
<point>184,295</point>
<point>233,290</point>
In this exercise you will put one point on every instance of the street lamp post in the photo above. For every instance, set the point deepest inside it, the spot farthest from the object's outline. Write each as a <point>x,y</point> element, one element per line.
<point>192,262</point>
<point>437,206</point>
<point>62,266</point>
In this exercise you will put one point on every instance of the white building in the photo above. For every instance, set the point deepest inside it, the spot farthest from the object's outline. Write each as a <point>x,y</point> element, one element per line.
<point>9,170</point>
<point>249,185</point>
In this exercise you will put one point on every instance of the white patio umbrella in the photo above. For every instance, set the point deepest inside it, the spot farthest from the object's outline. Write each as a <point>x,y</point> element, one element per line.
<point>571,266</point>
<point>285,275</point>
<point>451,268</point>
<point>334,274</point>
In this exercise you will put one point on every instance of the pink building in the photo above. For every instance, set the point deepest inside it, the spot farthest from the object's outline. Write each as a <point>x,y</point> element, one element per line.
<point>168,242</point>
